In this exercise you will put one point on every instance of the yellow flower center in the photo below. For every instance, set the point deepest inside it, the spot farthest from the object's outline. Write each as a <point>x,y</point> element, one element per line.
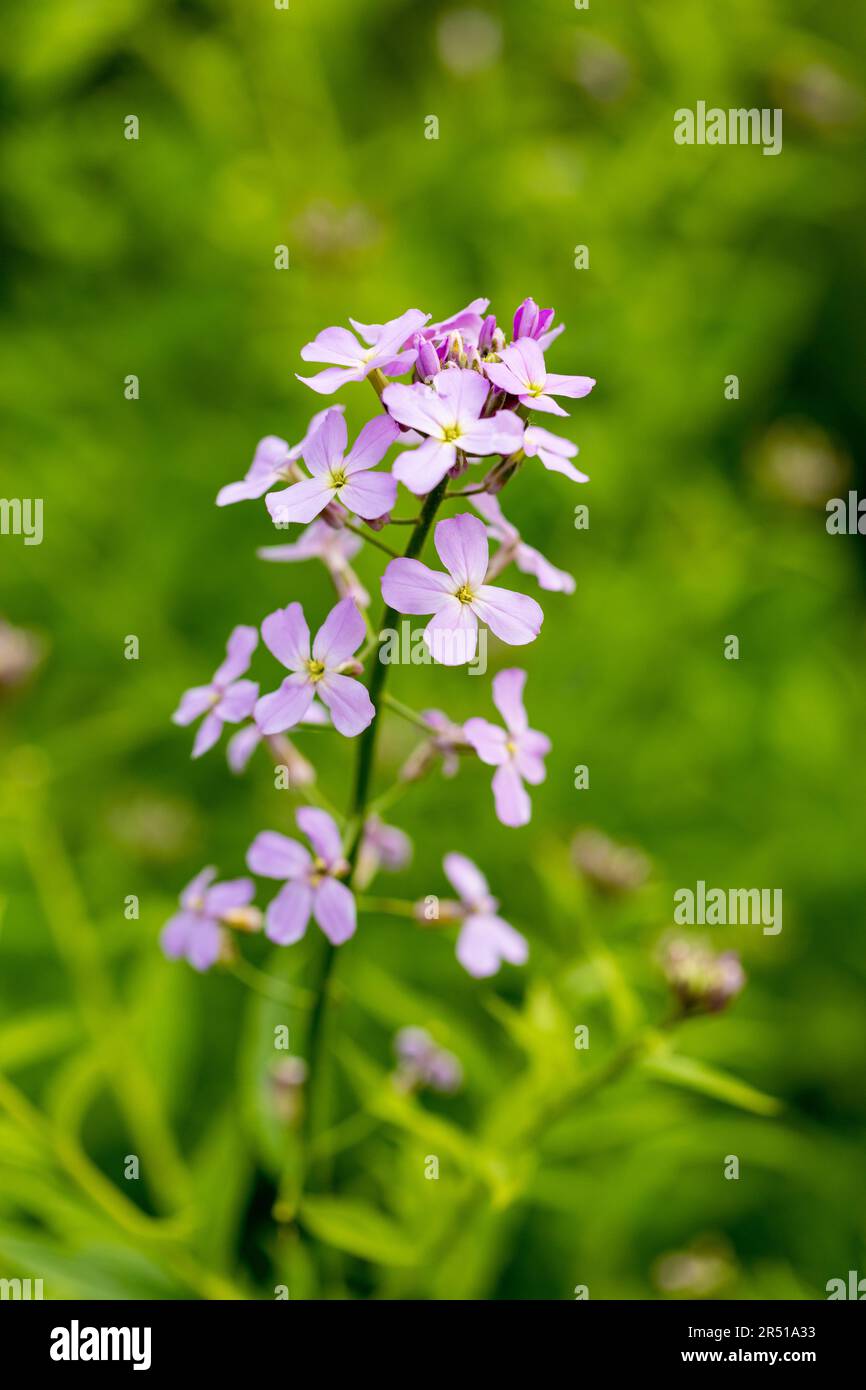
<point>318,871</point>
<point>316,669</point>
<point>510,746</point>
<point>450,433</point>
<point>338,477</point>
<point>465,594</point>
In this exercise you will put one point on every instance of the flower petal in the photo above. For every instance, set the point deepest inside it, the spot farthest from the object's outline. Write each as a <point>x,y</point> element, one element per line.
<point>193,894</point>
<point>372,444</point>
<point>208,734</point>
<point>287,637</point>
<point>334,345</point>
<point>422,469</point>
<point>332,378</point>
<point>302,501</point>
<point>288,913</point>
<point>410,587</point>
<point>194,703</point>
<point>485,941</point>
<point>462,545</point>
<point>414,406</point>
<point>488,740</point>
<point>273,855</point>
<point>176,933</point>
<point>241,746</point>
<point>508,698</point>
<point>326,446</point>
<point>514,618</point>
<point>513,806</point>
<point>239,649</point>
<point>238,702</point>
<point>223,897</point>
<point>334,910</point>
<point>322,832</point>
<point>351,708</point>
<point>340,635</point>
<point>466,879</point>
<point>204,943</point>
<point>574,387</point>
<point>285,707</point>
<point>452,634</point>
<point>369,494</point>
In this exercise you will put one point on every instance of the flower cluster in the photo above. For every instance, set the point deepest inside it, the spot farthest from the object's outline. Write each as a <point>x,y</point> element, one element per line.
<point>461,417</point>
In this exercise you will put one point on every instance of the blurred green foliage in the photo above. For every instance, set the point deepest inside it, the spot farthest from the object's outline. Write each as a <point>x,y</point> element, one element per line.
<point>306,127</point>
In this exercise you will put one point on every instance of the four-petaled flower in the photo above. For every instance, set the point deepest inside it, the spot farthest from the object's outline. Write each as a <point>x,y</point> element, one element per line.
<point>513,548</point>
<point>287,637</point>
<point>272,464</point>
<point>521,372</point>
<point>226,700</point>
<point>312,881</point>
<point>338,476</point>
<point>461,597</point>
<point>517,752</point>
<point>354,362</point>
<point>196,932</point>
<point>449,413</point>
<point>485,939</point>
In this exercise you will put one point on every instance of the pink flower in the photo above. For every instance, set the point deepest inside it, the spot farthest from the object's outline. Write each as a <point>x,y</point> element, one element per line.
<point>312,884</point>
<point>287,637</point>
<point>460,598</point>
<point>449,413</point>
<point>196,933</point>
<point>553,451</point>
<point>517,752</point>
<point>226,700</point>
<point>511,548</point>
<point>334,548</point>
<point>354,362</point>
<point>382,847</point>
<point>338,476</point>
<point>485,940</point>
<point>521,372</point>
<point>271,465</point>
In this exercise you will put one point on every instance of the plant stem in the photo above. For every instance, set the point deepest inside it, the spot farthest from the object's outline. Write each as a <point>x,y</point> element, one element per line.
<point>406,713</point>
<point>371,539</point>
<point>393,907</point>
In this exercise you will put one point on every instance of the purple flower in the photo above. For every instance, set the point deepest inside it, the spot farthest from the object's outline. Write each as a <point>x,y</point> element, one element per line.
<point>467,322</point>
<point>553,451</point>
<point>517,752</point>
<point>311,883</point>
<point>354,362</point>
<point>532,322</point>
<point>271,465</point>
<point>334,548</point>
<point>424,1063</point>
<point>521,372</point>
<point>460,598</point>
<point>338,476</point>
<point>287,637</point>
<point>196,932</point>
<point>485,940</point>
<point>511,548</point>
<point>449,413</point>
<point>382,847</point>
<point>226,700</point>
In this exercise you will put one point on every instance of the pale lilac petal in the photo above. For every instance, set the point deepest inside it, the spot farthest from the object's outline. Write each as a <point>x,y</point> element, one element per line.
<point>465,392</point>
<point>285,707</point>
<point>531,561</point>
<point>272,855</point>
<point>452,634</point>
<point>208,734</point>
<point>488,740</point>
<point>224,897</point>
<point>514,618</point>
<point>508,698</point>
<point>412,406</point>
<point>272,454</point>
<point>466,879</point>
<point>501,434</point>
<point>326,446</point>
<point>410,587</point>
<point>574,387</point>
<point>287,637</point>
<point>553,451</point>
<point>351,708</point>
<point>302,501</point>
<point>484,942</point>
<point>194,703</point>
<point>372,444</point>
<point>336,345</point>
<point>193,894</point>
<point>513,806</point>
<point>288,913</point>
<point>203,946</point>
<point>241,746</point>
<point>332,378</point>
<point>340,635</point>
<point>503,377</point>
<point>176,933</point>
<point>545,339</point>
<point>334,910</point>
<point>422,469</point>
<point>526,361</point>
<point>246,490</point>
<point>532,748</point>
<point>462,545</point>
<point>396,332</point>
<point>369,494</point>
<point>322,832</point>
<point>239,649</point>
<point>238,702</point>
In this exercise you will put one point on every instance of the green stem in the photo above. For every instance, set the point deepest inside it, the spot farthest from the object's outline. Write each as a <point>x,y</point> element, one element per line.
<point>393,907</point>
<point>371,539</point>
<point>407,713</point>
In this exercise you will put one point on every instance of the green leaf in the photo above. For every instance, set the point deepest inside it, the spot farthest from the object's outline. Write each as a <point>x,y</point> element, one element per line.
<point>359,1229</point>
<point>697,1076</point>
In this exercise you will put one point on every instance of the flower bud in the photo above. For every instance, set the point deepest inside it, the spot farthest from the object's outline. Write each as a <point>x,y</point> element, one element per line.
<point>427,363</point>
<point>485,337</point>
<point>525,319</point>
<point>702,980</point>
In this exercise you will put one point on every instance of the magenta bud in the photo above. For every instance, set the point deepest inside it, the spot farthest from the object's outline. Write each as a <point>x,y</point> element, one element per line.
<point>335,515</point>
<point>377,522</point>
<point>427,363</point>
<point>525,319</point>
<point>485,337</point>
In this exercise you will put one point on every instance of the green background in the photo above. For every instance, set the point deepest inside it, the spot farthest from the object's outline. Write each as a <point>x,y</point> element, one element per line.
<point>261,127</point>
